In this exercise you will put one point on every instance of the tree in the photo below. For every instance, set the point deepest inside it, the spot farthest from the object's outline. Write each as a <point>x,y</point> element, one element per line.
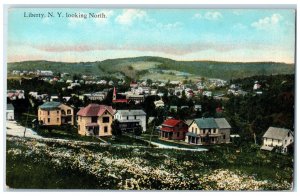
<point>115,128</point>
<point>138,130</point>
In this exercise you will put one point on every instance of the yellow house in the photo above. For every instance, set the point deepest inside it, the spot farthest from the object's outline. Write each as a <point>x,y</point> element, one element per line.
<point>95,120</point>
<point>55,113</point>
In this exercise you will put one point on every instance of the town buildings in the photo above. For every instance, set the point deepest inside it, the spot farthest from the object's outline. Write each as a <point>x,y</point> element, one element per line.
<point>95,120</point>
<point>130,119</point>
<point>55,113</point>
<point>204,131</point>
<point>277,137</point>
<point>173,129</point>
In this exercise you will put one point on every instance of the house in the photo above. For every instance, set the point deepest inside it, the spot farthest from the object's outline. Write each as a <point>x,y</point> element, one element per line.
<point>10,112</point>
<point>55,113</point>
<point>205,131</point>
<point>277,137</point>
<point>95,120</point>
<point>129,119</point>
<point>159,103</point>
<point>15,94</point>
<point>173,129</point>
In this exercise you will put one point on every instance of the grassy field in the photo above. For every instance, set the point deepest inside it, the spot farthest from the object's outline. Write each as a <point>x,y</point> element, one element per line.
<point>70,165</point>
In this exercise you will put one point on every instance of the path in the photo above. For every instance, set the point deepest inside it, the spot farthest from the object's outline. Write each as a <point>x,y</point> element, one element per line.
<point>14,129</point>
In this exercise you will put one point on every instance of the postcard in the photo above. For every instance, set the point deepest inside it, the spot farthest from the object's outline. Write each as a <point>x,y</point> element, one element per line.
<point>110,98</point>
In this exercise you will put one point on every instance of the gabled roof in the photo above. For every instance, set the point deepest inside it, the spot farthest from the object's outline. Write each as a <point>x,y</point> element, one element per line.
<point>276,133</point>
<point>222,123</point>
<point>131,112</point>
<point>206,123</point>
<point>50,105</point>
<point>95,110</point>
<point>171,122</point>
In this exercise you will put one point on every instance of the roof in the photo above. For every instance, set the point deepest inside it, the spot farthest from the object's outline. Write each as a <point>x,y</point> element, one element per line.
<point>50,105</point>
<point>9,106</point>
<point>95,110</point>
<point>189,122</point>
<point>206,123</point>
<point>222,123</point>
<point>276,133</point>
<point>191,134</point>
<point>131,112</point>
<point>171,122</point>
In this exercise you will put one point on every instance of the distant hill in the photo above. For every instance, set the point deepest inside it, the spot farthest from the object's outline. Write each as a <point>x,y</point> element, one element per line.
<point>139,66</point>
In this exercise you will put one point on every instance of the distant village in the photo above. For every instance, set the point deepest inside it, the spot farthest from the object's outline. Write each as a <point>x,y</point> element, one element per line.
<point>96,119</point>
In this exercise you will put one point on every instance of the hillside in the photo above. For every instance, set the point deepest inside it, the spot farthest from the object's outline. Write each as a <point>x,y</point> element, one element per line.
<point>139,67</point>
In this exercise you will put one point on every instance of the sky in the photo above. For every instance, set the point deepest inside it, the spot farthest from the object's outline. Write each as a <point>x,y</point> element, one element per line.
<point>235,35</point>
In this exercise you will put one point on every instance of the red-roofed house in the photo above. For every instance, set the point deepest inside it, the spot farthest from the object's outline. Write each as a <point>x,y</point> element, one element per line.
<point>95,120</point>
<point>173,129</point>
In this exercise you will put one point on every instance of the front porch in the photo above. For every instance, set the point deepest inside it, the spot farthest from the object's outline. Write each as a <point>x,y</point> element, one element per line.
<point>92,129</point>
<point>166,135</point>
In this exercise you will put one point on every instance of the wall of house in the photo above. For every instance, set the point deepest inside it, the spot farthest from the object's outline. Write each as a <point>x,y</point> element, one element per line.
<point>81,123</point>
<point>142,119</point>
<point>193,128</point>
<point>226,133</point>
<point>102,124</point>
<point>66,108</point>
<point>52,115</point>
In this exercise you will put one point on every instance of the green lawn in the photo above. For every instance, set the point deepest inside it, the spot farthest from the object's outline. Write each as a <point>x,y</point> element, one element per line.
<point>70,134</point>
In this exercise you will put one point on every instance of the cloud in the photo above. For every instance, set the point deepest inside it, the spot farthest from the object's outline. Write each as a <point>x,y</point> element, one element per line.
<point>130,15</point>
<point>169,26</point>
<point>208,16</point>
<point>166,48</point>
<point>107,13</point>
<point>267,22</point>
<point>76,18</point>
<point>239,26</point>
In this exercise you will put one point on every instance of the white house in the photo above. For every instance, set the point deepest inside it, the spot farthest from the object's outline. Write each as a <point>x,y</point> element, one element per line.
<point>10,112</point>
<point>129,119</point>
<point>280,137</point>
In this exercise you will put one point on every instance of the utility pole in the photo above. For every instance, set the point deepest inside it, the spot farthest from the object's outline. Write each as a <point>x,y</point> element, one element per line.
<point>26,121</point>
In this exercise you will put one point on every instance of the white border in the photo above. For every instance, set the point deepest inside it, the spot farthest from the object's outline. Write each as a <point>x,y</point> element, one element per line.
<point>124,3</point>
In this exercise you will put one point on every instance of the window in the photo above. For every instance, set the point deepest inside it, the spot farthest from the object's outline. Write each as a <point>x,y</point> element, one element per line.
<point>285,141</point>
<point>127,117</point>
<point>178,134</point>
<point>68,111</point>
<point>105,129</point>
<point>105,119</point>
<point>94,119</point>
<point>48,112</point>
<point>289,134</point>
<point>224,137</point>
<point>57,111</point>
<point>196,130</point>
<point>192,129</point>
<point>57,119</point>
<point>48,120</point>
<point>134,116</point>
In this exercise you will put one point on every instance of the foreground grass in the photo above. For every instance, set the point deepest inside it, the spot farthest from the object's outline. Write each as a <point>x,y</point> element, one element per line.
<point>38,164</point>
